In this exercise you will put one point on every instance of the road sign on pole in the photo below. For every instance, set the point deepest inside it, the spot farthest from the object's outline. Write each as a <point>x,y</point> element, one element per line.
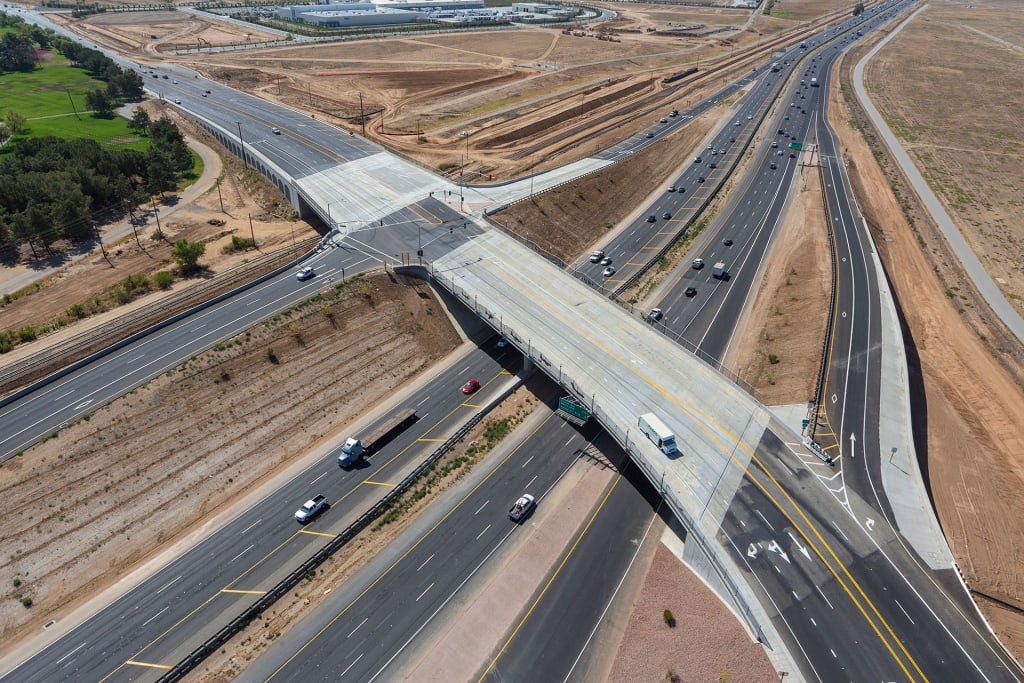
<point>572,411</point>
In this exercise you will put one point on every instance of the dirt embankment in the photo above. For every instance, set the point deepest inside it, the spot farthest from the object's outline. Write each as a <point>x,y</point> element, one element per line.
<point>101,496</point>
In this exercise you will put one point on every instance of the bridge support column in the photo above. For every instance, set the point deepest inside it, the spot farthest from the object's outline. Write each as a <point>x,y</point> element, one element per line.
<point>528,366</point>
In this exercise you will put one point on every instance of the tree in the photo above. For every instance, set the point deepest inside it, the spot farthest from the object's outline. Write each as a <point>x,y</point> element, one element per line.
<point>140,120</point>
<point>14,122</point>
<point>17,52</point>
<point>159,177</point>
<point>187,254</point>
<point>99,103</point>
<point>858,9</point>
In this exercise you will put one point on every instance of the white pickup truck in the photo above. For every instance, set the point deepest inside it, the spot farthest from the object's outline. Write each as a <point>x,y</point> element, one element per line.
<point>312,508</point>
<point>521,508</point>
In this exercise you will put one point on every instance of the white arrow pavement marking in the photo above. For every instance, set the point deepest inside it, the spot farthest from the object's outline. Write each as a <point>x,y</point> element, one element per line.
<point>774,547</point>
<point>853,442</point>
<point>83,404</point>
<point>802,549</point>
<point>870,523</point>
<point>752,551</point>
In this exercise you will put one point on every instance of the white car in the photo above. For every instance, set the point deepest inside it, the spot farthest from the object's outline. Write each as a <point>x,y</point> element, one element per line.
<point>596,256</point>
<point>305,273</point>
<point>275,131</point>
<point>609,271</point>
<point>698,263</point>
<point>522,507</point>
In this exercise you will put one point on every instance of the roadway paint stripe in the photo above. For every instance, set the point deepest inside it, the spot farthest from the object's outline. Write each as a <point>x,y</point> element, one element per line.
<point>425,562</point>
<point>316,533</point>
<point>528,485</point>
<point>483,532</point>
<point>425,591</point>
<point>147,621</point>
<point>239,591</point>
<point>351,665</point>
<point>319,478</point>
<point>168,584</point>
<point>241,553</point>
<point>379,483</point>
<point>764,519</point>
<point>482,507</point>
<point>904,611</point>
<point>527,462</point>
<point>824,597</point>
<point>352,632</point>
<point>69,654</point>
<point>165,667</point>
<point>431,440</point>
<point>423,401</point>
<point>472,405</point>
<point>249,528</point>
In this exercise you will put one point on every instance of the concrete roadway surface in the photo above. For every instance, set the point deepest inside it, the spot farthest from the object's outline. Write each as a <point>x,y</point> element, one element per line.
<point>377,622</point>
<point>157,623</point>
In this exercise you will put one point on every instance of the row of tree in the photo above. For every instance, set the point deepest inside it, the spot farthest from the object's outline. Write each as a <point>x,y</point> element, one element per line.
<point>53,189</point>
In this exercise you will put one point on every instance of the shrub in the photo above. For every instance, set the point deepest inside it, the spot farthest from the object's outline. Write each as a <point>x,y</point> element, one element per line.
<point>773,358</point>
<point>163,279</point>
<point>6,343</point>
<point>27,334</point>
<point>17,582</point>
<point>271,356</point>
<point>157,235</point>
<point>239,244</point>
<point>669,618</point>
<point>26,601</point>
<point>76,311</point>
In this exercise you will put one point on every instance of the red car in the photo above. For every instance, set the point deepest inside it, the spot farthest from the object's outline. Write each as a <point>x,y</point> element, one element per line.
<point>471,386</point>
<point>792,155</point>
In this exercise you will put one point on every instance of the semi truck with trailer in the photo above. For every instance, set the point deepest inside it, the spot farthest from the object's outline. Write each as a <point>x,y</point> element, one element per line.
<point>356,447</point>
<point>658,433</point>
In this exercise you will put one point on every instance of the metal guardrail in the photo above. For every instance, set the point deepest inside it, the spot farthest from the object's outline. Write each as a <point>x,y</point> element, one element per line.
<point>812,424</point>
<point>253,612</point>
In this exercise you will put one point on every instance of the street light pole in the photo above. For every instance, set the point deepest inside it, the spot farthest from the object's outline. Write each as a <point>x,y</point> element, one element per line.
<point>241,143</point>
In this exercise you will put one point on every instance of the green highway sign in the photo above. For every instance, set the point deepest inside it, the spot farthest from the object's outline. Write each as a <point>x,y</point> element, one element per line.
<point>569,406</point>
<point>796,145</point>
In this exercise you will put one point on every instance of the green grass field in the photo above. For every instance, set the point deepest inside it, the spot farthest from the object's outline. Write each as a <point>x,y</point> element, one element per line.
<point>45,95</point>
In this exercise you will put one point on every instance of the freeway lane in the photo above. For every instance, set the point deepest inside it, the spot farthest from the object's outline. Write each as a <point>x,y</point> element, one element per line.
<point>853,601</point>
<point>169,614</point>
<point>26,419</point>
<point>369,628</point>
<point>552,640</point>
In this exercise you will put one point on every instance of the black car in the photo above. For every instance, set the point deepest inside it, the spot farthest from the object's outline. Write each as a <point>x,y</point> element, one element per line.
<point>666,215</point>
<point>727,242</point>
<point>701,179</point>
<point>691,291</point>
<point>652,218</point>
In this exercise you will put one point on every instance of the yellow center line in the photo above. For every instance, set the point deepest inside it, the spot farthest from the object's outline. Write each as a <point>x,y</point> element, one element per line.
<point>422,440</point>
<point>415,545</point>
<point>551,580</point>
<point>472,405</point>
<point>378,483</point>
<point>239,591</point>
<point>695,413</point>
<point>317,533</point>
<point>165,667</point>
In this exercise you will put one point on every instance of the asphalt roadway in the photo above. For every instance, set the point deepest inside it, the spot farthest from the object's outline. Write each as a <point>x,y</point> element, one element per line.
<point>157,623</point>
<point>907,662</point>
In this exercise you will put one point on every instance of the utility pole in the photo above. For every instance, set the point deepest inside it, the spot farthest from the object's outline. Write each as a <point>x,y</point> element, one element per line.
<point>219,197</point>
<point>241,144</point>
<point>462,180</point>
<point>100,240</point>
<point>252,232</point>
<point>131,218</point>
<point>362,115</point>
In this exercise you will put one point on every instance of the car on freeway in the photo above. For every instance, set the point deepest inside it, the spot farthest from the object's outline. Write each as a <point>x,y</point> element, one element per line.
<point>305,274</point>
<point>780,153</point>
<point>722,151</point>
<point>749,117</point>
<point>606,261</point>
<point>772,165</point>
<point>175,82</point>
<point>663,120</point>
<point>674,112</point>
<point>502,342</point>
<point>697,160</point>
<point>711,146</point>
<point>275,131</point>
<point>652,218</point>
<point>774,144</point>
<point>737,123</point>
<point>655,314</point>
<point>521,509</point>
<point>471,386</point>
<point>207,91</point>
<point>204,94</point>
<point>691,292</point>
<point>671,188</point>
<point>177,101</point>
<point>156,75</point>
<point>714,152</point>
<point>698,263</point>
<point>666,215</point>
<point>792,155</point>
<point>701,179</point>
<point>609,271</point>
<point>649,134</point>
<point>727,242</point>
<point>712,165</point>
<point>596,255</point>
<point>786,117</point>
